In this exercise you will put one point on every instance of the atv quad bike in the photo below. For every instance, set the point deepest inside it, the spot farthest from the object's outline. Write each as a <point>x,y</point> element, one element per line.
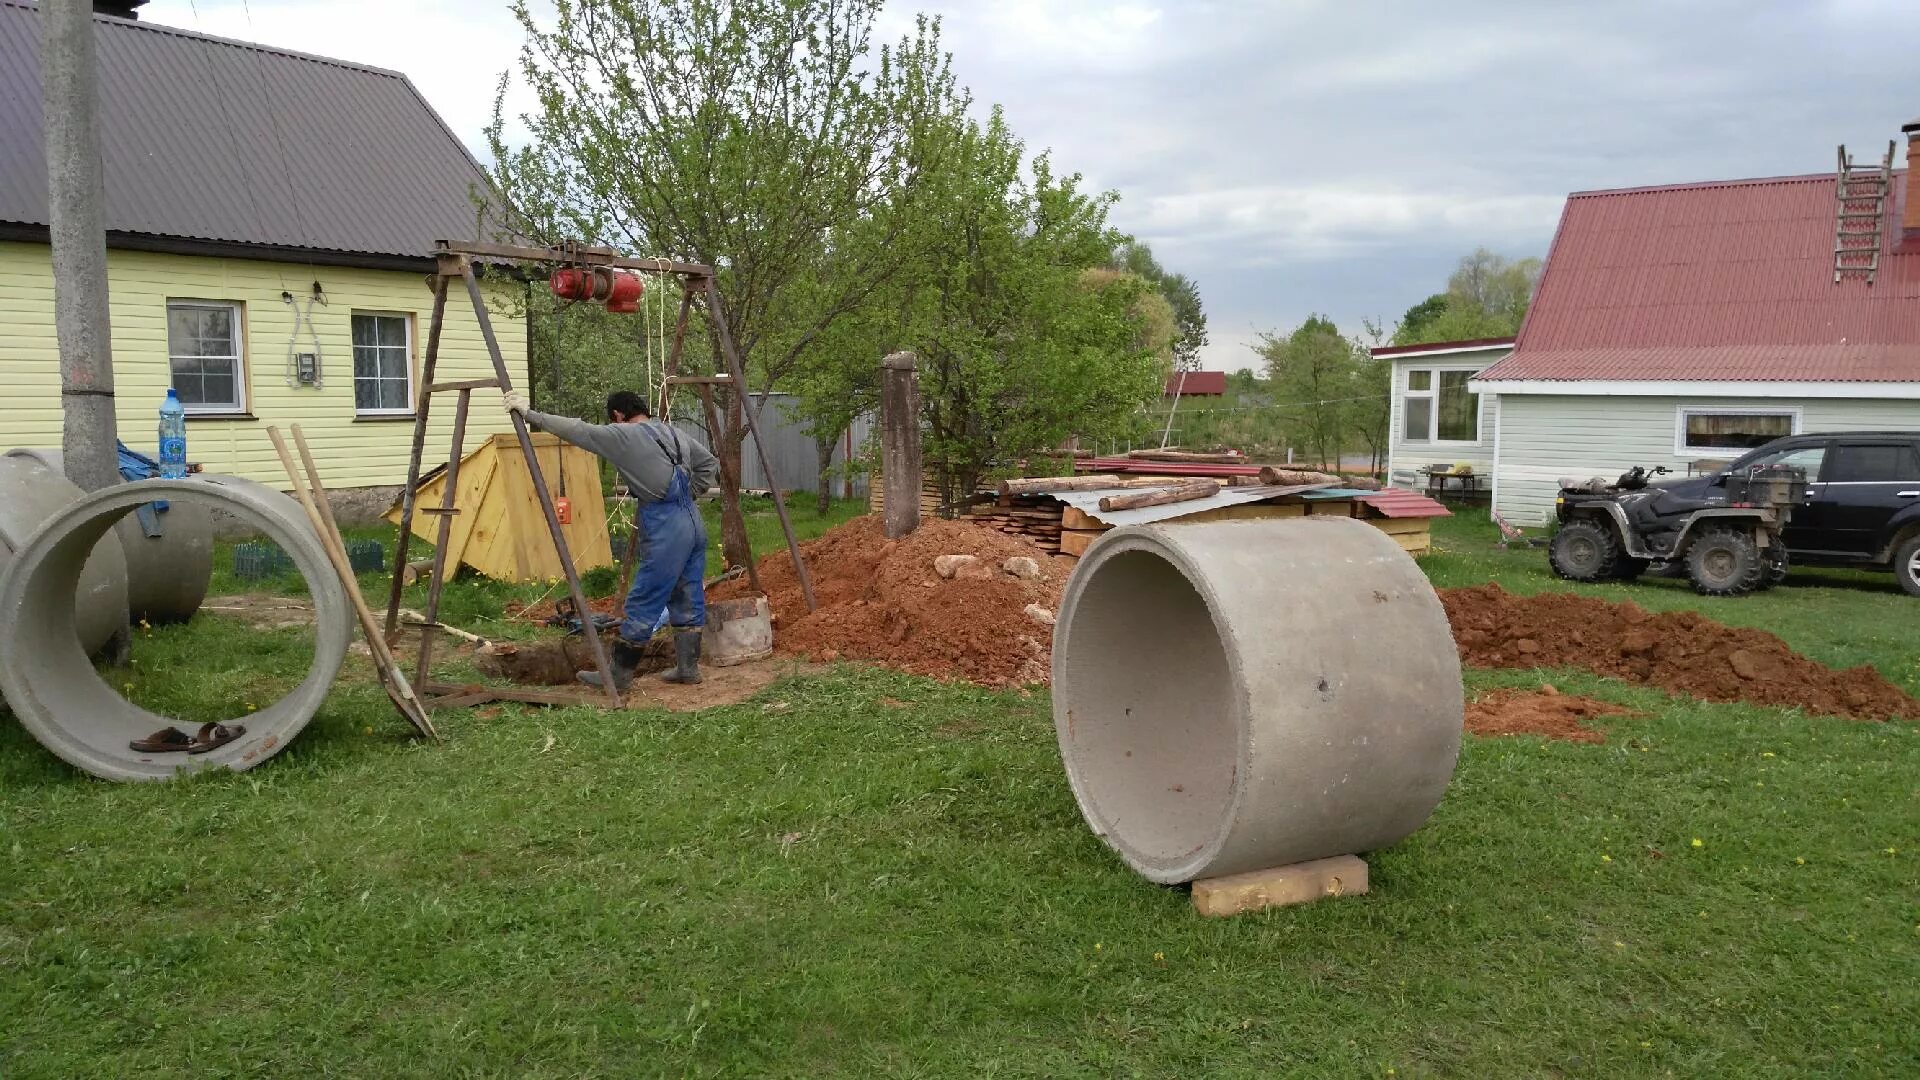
<point>1729,544</point>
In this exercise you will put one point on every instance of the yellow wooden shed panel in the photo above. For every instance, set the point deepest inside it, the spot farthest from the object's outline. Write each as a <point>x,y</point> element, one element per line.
<point>501,530</point>
<point>352,450</point>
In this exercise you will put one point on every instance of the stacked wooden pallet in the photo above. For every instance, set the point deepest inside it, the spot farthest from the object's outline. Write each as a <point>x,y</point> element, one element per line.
<point>930,500</point>
<point>1036,517</point>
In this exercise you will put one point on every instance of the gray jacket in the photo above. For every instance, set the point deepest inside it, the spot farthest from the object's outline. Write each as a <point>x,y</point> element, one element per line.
<point>635,451</point>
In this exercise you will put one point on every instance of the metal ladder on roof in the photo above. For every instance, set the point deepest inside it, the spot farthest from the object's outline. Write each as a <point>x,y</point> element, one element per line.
<point>1861,196</point>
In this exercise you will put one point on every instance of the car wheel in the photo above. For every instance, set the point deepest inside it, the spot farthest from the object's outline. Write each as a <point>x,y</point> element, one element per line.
<point>1906,566</point>
<point>1725,562</point>
<point>1583,551</point>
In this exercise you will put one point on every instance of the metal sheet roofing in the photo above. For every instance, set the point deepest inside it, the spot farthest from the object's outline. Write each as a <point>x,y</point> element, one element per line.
<point>1197,382</point>
<point>1088,503</point>
<point>1402,503</point>
<point>1717,282</point>
<point>212,139</point>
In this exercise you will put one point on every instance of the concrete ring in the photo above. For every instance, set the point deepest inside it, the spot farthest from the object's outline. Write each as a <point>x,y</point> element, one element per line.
<point>66,705</point>
<point>1245,695</point>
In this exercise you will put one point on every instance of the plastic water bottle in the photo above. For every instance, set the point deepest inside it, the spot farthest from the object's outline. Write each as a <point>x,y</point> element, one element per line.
<point>173,438</point>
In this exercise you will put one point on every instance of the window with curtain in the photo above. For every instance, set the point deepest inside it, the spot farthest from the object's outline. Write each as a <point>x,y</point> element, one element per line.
<point>382,363</point>
<point>204,355</point>
<point>1728,432</point>
<point>1438,406</point>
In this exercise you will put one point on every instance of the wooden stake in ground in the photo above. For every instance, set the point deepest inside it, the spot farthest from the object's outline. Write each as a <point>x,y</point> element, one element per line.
<point>1185,491</point>
<point>900,442</point>
<point>391,677</point>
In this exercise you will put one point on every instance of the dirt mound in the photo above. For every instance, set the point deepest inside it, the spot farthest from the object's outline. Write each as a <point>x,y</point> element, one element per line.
<point>882,600</point>
<point>1545,711</point>
<point>1681,651</point>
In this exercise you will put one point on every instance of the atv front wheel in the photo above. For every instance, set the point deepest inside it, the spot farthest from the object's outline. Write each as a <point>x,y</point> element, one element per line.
<point>1725,562</point>
<point>1583,551</point>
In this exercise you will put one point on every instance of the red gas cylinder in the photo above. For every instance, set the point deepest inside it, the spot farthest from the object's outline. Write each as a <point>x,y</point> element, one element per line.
<point>618,290</point>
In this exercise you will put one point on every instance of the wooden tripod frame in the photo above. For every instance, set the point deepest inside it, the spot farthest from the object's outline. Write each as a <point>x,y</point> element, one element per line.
<point>454,260</point>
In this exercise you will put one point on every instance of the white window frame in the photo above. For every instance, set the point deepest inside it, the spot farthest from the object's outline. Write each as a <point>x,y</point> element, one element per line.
<point>1681,412</point>
<point>239,357</point>
<point>1432,395</point>
<point>406,319</point>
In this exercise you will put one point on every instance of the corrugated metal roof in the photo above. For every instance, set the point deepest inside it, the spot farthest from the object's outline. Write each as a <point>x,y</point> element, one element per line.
<point>213,139</point>
<point>1088,503</point>
<point>1402,503</point>
<point>1197,382</point>
<point>1718,281</point>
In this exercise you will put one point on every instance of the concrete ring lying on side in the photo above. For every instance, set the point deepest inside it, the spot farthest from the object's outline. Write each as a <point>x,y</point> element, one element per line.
<point>1244,695</point>
<point>65,704</point>
<point>31,495</point>
<point>167,575</point>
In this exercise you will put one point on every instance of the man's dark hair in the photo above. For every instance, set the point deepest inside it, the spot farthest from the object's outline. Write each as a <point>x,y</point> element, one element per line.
<point>627,404</point>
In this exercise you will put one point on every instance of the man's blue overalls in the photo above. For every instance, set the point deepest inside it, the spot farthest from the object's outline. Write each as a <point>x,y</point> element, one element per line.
<point>672,559</point>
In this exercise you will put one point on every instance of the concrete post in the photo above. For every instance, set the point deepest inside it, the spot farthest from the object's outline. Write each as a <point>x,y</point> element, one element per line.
<point>77,222</point>
<point>900,442</point>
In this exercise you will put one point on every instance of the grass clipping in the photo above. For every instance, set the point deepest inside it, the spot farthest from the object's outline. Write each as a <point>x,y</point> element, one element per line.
<point>882,600</point>
<point>1681,652</point>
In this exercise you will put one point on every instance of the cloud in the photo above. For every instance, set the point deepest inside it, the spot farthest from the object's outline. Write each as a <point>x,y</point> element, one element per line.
<point>1303,156</point>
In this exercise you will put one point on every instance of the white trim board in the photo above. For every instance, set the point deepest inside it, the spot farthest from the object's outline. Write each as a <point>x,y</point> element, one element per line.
<point>1698,388</point>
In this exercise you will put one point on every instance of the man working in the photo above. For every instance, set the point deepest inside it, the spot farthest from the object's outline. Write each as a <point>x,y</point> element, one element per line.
<point>663,469</point>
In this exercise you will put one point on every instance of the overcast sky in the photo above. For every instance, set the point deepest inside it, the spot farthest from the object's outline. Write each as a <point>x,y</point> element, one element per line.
<point>1307,156</point>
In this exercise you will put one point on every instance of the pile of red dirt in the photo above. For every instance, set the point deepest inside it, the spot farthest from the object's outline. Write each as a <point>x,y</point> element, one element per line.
<point>1682,652</point>
<point>882,600</point>
<point>1545,711</point>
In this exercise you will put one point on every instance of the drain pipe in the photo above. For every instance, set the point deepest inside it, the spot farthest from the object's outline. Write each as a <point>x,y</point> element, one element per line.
<point>52,686</point>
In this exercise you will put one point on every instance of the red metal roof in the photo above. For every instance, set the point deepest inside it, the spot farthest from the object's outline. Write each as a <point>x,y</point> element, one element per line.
<point>1198,382</point>
<point>1718,281</point>
<point>1402,503</point>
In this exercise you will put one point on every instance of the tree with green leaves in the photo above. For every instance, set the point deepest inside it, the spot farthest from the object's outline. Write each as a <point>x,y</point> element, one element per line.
<point>1313,376</point>
<point>1182,295</point>
<point>1487,296</point>
<point>772,140</point>
<point>1019,349</point>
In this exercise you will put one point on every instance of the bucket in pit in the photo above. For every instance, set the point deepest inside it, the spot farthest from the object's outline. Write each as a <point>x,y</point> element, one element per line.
<point>738,631</point>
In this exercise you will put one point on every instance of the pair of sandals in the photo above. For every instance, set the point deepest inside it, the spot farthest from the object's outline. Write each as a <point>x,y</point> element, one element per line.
<point>172,740</point>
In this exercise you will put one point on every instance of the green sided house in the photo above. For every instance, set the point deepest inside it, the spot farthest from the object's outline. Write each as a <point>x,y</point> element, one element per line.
<point>270,219</point>
<point>1683,325</point>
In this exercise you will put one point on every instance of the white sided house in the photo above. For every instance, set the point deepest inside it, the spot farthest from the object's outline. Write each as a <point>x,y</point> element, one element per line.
<point>1436,415</point>
<point>1682,326</point>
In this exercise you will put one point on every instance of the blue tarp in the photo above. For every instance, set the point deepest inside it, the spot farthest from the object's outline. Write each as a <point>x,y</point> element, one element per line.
<point>137,466</point>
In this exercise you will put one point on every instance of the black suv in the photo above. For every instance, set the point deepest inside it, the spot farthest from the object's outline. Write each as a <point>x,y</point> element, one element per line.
<point>1862,506</point>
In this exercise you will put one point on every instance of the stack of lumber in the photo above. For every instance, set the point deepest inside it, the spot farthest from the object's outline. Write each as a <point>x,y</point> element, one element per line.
<point>929,496</point>
<point>1036,517</point>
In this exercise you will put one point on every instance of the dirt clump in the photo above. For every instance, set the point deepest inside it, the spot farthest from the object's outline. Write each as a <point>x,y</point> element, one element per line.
<point>883,600</point>
<point>1545,711</point>
<point>1682,652</point>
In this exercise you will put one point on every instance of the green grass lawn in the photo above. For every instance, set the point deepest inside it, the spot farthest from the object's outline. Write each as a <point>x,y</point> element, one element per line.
<point>863,873</point>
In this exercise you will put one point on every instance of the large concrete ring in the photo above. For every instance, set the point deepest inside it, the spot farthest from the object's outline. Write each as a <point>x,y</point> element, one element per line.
<point>30,495</point>
<point>1243,695</point>
<point>65,704</point>
<point>167,575</point>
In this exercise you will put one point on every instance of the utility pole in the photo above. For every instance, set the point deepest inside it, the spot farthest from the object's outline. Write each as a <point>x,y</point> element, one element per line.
<point>70,100</point>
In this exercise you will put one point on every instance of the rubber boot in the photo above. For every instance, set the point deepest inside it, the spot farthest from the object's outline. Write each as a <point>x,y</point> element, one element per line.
<point>624,662</point>
<point>686,655</point>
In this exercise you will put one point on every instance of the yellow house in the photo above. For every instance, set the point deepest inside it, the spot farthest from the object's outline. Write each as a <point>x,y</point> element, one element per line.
<point>270,220</point>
